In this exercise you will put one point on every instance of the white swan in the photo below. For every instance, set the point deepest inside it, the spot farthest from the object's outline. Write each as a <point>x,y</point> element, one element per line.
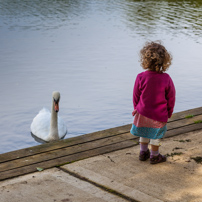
<point>46,126</point>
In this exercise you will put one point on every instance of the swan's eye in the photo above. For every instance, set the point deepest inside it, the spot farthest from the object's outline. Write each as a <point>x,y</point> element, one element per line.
<point>56,101</point>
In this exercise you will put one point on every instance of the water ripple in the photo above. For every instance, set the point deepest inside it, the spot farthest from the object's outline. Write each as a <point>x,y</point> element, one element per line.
<point>88,50</point>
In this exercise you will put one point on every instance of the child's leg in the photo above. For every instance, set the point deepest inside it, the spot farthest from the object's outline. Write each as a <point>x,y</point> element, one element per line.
<point>155,147</point>
<point>154,150</point>
<point>144,151</point>
<point>144,144</point>
<point>155,156</point>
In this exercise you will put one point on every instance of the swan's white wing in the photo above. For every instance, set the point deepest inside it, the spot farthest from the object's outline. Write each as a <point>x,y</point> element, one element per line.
<point>40,126</point>
<point>62,128</point>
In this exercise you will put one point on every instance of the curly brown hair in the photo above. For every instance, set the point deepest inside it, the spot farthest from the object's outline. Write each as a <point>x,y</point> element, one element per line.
<point>155,57</point>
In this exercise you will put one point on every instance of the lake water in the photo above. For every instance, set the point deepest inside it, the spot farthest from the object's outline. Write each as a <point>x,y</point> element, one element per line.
<point>88,50</point>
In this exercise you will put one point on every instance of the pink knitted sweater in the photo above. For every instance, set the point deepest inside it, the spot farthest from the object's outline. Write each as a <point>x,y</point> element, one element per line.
<point>154,95</point>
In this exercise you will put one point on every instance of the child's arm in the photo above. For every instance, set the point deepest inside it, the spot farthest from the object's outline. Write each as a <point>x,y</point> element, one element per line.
<point>170,96</point>
<point>136,92</point>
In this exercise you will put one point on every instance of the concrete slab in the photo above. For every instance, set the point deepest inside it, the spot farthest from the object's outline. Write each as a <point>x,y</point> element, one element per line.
<point>179,179</point>
<point>52,185</point>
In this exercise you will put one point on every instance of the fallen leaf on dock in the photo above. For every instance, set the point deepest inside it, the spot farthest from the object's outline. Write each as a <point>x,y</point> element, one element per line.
<point>39,169</point>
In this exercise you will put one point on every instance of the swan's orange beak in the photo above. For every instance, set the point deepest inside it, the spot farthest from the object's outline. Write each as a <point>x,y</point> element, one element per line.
<point>56,107</point>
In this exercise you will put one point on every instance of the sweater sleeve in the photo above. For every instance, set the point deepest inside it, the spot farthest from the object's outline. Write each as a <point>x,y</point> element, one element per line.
<point>170,96</point>
<point>136,92</point>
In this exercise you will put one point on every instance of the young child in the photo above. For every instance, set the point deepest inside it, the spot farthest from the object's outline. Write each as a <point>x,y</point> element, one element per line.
<point>153,100</point>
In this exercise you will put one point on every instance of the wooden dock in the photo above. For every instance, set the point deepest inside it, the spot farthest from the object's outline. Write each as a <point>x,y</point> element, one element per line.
<point>24,161</point>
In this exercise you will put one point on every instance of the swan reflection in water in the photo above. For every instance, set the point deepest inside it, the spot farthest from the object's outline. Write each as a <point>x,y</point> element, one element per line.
<point>46,126</point>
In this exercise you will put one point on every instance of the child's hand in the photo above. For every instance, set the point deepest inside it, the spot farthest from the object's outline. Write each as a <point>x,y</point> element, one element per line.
<point>134,112</point>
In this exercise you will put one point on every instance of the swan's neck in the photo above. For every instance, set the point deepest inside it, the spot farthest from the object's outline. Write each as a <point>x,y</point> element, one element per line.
<point>53,125</point>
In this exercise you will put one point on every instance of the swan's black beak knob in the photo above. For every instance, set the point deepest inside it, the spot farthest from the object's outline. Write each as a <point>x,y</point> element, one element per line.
<point>56,106</point>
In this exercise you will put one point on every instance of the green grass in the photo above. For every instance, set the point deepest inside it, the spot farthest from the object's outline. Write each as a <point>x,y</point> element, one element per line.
<point>199,121</point>
<point>189,116</point>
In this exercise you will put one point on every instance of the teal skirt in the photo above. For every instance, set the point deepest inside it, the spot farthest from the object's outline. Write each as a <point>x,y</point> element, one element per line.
<point>147,128</point>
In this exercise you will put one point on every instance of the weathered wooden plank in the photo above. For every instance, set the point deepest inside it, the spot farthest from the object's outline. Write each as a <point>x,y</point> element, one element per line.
<point>77,149</point>
<point>64,152</point>
<point>64,143</point>
<point>177,120</point>
<point>181,115</point>
<point>78,156</point>
<point>66,159</point>
<point>183,122</point>
<point>184,129</point>
<point>73,149</point>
